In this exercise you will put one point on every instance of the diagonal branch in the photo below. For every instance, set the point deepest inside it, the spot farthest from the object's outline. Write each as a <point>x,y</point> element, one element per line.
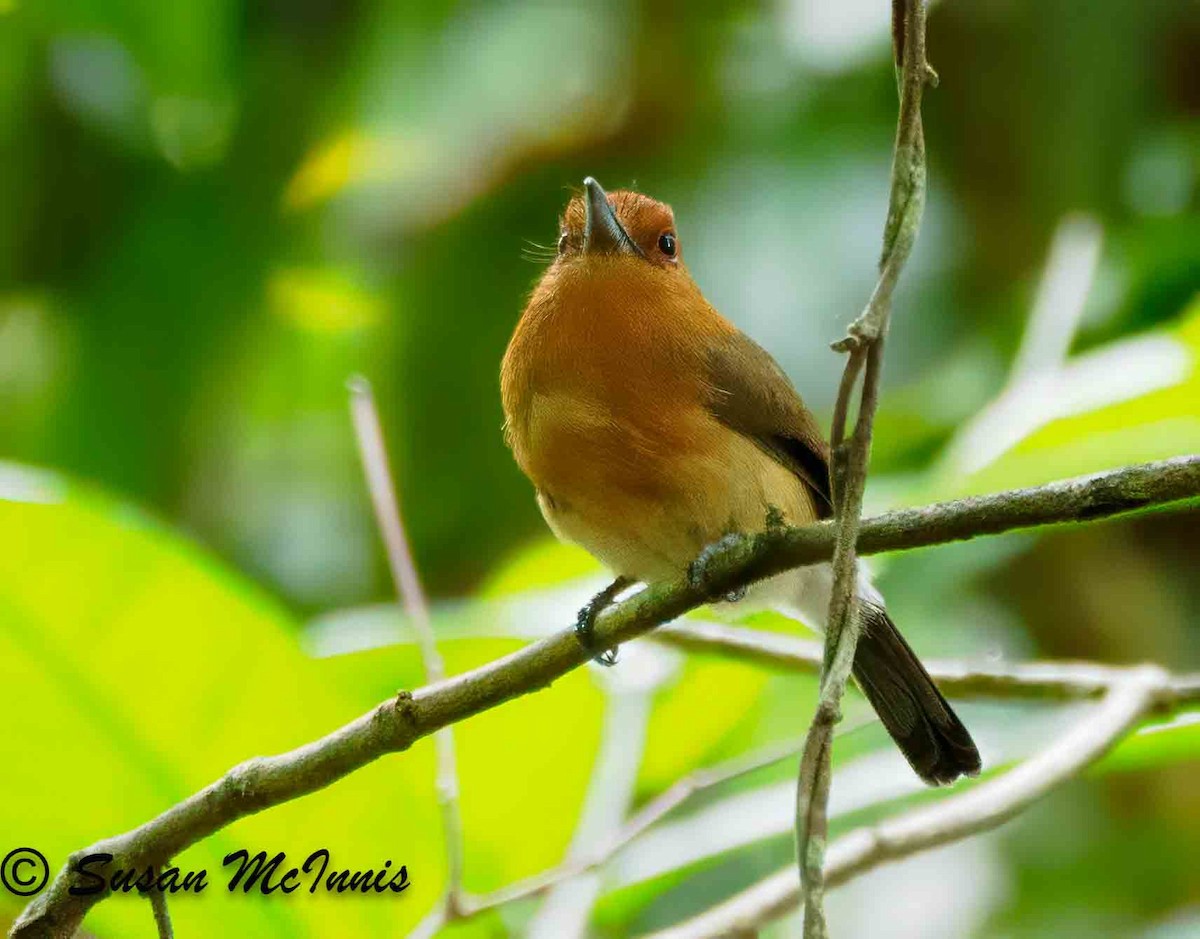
<point>633,827</point>
<point>395,724</point>
<point>651,813</point>
<point>1133,695</point>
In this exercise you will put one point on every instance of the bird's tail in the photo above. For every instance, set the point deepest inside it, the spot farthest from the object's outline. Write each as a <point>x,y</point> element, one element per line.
<point>927,731</point>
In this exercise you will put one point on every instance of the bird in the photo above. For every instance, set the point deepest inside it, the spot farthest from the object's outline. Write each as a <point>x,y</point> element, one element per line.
<point>652,428</point>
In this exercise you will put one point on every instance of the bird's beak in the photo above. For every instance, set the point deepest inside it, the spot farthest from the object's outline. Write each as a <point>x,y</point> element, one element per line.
<point>602,232</point>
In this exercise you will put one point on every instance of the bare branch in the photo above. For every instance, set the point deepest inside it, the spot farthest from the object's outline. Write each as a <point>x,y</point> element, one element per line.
<point>395,724</point>
<point>864,340</point>
<point>433,922</point>
<point>1040,681</point>
<point>407,582</point>
<point>1133,695</point>
<point>651,813</point>
<point>906,201</point>
<point>162,916</point>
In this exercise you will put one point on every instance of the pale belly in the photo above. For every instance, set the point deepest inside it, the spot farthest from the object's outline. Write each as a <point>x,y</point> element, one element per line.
<point>648,514</point>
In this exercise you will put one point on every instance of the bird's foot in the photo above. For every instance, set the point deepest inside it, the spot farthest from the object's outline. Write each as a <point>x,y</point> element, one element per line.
<point>585,622</point>
<point>698,575</point>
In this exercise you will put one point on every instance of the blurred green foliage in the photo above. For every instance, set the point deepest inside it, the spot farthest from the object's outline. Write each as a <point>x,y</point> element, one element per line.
<point>213,212</point>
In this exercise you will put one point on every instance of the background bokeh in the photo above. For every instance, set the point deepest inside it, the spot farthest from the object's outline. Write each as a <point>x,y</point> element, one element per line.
<point>212,212</point>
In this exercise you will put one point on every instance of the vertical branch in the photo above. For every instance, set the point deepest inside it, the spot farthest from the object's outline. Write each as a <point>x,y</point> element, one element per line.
<point>837,432</point>
<point>158,903</point>
<point>864,342</point>
<point>408,584</point>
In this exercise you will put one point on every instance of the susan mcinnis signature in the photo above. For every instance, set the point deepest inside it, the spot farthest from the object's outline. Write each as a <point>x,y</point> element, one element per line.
<point>249,873</point>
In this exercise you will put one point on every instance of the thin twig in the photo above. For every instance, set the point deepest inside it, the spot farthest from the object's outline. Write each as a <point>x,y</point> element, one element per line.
<point>1133,695</point>
<point>396,724</point>
<point>650,814</point>
<point>162,915</point>
<point>1037,681</point>
<point>434,921</point>
<point>864,339</point>
<point>837,435</point>
<point>906,201</point>
<point>369,434</point>
<point>841,639</point>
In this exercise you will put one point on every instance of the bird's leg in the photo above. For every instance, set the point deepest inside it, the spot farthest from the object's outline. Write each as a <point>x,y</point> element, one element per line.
<point>698,569</point>
<point>587,619</point>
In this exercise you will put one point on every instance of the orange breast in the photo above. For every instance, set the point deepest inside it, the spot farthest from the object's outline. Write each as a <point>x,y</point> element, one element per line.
<point>604,377</point>
<point>605,398</point>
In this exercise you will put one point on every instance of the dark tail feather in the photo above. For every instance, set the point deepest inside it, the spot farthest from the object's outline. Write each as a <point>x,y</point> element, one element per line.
<point>926,730</point>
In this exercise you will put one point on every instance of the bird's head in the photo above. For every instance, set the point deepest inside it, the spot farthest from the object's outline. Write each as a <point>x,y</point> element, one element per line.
<point>618,264</point>
<point>623,226</point>
<point>617,301</point>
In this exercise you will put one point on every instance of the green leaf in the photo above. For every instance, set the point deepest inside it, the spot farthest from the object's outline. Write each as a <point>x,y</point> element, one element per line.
<point>138,670</point>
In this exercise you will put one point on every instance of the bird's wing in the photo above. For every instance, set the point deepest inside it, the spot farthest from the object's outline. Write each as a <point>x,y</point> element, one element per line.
<point>750,394</point>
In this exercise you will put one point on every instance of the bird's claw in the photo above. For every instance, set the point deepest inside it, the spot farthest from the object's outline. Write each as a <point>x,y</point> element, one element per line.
<point>586,620</point>
<point>698,575</point>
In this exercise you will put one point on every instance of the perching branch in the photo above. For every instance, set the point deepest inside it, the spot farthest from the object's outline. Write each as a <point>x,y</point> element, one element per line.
<point>369,434</point>
<point>395,724</point>
<point>1133,695</point>
<point>864,341</point>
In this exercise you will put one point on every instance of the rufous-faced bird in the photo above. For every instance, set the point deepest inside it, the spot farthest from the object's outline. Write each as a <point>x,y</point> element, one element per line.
<point>651,427</point>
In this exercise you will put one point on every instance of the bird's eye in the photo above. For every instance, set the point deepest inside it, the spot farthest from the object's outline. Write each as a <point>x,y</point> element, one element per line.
<point>562,242</point>
<point>666,244</point>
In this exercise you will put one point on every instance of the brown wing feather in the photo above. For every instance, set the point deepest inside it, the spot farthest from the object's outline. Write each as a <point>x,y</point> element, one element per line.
<point>751,394</point>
